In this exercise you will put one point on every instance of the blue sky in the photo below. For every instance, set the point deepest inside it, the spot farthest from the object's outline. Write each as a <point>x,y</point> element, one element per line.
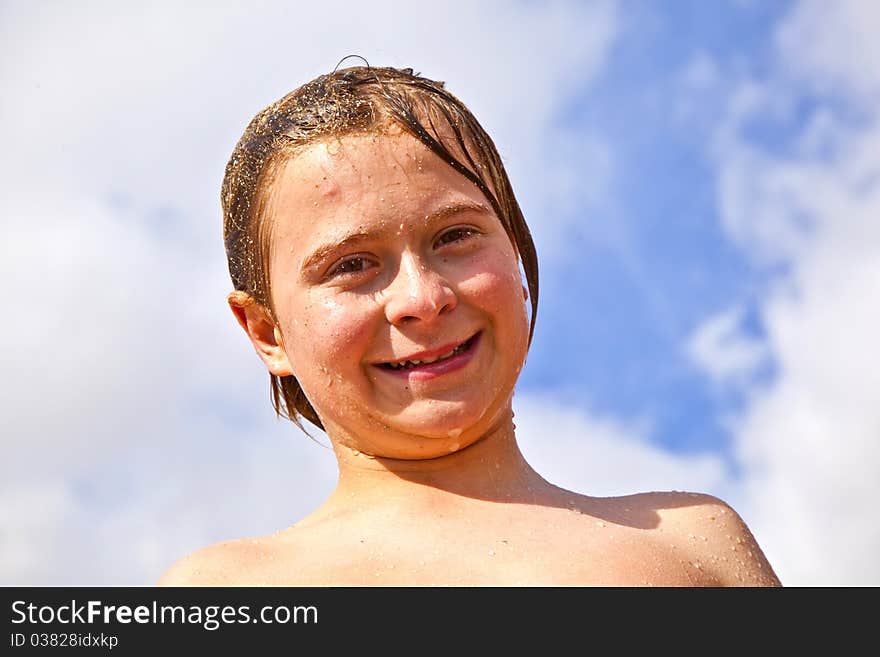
<point>635,297</point>
<point>701,181</point>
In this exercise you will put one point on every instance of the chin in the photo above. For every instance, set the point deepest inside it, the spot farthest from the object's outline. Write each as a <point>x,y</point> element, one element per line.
<point>459,423</point>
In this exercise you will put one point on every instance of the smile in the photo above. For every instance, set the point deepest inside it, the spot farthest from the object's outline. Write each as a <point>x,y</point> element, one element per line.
<point>435,364</point>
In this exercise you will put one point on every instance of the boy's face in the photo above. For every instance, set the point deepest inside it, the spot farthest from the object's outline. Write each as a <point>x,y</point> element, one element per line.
<point>381,252</point>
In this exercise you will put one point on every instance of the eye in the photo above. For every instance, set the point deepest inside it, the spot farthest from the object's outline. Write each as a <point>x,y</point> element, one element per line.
<point>458,234</point>
<point>349,266</point>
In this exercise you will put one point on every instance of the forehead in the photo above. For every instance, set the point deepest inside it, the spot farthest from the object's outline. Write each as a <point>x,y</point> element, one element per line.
<point>361,179</point>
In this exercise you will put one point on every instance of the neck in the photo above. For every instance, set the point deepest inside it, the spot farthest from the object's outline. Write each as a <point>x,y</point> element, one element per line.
<point>491,469</point>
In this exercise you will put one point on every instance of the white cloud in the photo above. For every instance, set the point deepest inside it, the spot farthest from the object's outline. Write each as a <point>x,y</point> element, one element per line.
<point>125,519</point>
<point>808,440</point>
<point>721,348</point>
<point>833,49</point>
<point>36,519</point>
<point>134,410</point>
<point>602,456</point>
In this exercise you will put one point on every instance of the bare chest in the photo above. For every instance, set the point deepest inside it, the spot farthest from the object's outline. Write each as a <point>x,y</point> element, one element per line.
<point>518,552</point>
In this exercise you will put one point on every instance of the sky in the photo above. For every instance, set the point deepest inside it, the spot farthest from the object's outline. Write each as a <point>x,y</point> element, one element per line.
<point>702,181</point>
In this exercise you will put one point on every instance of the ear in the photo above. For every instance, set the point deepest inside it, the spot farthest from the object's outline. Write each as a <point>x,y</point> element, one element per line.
<point>262,332</point>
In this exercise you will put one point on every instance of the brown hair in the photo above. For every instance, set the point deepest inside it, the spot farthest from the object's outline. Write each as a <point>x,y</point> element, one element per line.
<point>333,105</point>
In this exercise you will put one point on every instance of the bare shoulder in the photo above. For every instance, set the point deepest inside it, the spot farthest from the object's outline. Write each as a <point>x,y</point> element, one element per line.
<point>228,563</point>
<point>715,536</point>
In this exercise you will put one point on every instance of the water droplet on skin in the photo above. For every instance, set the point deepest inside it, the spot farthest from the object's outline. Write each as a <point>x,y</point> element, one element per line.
<point>454,447</point>
<point>600,523</point>
<point>391,566</point>
<point>491,553</point>
<point>455,433</point>
<point>703,538</point>
<point>697,565</point>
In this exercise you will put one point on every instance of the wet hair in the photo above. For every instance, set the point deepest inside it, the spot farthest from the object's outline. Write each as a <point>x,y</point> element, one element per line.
<point>359,99</point>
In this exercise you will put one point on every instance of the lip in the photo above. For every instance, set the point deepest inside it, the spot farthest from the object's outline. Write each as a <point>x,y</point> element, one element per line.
<point>431,370</point>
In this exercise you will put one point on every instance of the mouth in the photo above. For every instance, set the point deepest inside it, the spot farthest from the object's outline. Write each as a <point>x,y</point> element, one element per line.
<point>449,359</point>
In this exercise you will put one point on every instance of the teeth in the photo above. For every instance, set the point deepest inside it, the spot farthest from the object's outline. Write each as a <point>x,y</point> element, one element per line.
<point>427,361</point>
<point>434,360</point>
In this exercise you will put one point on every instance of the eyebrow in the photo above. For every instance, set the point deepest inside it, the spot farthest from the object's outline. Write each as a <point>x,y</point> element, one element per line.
<point>361,236</point>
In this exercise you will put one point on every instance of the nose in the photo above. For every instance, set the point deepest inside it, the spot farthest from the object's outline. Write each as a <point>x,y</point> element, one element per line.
<point>418,292</point>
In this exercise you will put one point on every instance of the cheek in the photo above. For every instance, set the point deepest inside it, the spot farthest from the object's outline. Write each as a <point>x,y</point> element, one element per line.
<point>495,286</point>
<point>331,332</point>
